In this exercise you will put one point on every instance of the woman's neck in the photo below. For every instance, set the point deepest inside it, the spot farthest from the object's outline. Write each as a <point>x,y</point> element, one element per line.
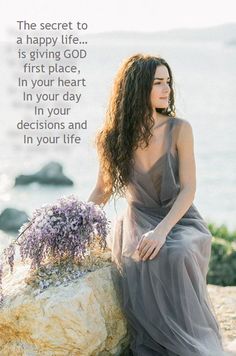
<point>159,118</point>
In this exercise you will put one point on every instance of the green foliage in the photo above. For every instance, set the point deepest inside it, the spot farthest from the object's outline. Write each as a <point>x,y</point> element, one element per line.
<point>222,231</point>
<point>222,266</point>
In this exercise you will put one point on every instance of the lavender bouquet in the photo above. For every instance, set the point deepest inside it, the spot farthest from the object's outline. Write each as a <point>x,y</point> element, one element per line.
<point>61,231</point>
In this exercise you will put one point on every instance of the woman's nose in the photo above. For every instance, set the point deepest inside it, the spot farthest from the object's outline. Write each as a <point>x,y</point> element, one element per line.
<point>167,89</point>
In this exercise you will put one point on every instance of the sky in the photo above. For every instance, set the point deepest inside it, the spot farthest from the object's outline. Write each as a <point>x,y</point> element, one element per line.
<point>123,15</point>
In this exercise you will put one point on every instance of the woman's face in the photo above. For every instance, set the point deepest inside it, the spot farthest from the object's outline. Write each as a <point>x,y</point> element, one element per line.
<point>161,88</point>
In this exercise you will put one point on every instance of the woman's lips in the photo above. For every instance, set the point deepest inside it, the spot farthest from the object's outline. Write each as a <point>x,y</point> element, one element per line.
<point>164,98</point>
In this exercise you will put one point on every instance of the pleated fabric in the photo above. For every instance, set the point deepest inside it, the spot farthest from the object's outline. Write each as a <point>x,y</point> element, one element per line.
<point>165,300</point>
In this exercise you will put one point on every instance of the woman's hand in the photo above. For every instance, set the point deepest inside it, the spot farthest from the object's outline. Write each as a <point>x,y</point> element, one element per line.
<point>150,244</point>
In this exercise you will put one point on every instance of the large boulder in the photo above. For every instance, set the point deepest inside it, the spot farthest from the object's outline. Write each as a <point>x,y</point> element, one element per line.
<point>80,318</point>
<point>12,219</point>
<point>52,174</point>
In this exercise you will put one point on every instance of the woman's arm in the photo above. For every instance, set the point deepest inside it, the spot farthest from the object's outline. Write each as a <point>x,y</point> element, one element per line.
<point>98,195</point>
<point>151,242</point>
<point>187,176</point>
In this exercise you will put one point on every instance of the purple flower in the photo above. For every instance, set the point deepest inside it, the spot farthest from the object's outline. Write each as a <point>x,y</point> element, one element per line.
<point>63,229</point>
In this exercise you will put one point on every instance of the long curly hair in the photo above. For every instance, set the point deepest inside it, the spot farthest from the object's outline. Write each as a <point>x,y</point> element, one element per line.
<point>128,121</point>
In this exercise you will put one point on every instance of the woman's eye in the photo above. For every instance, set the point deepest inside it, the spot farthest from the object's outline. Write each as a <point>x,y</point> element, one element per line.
<point>160,83</point>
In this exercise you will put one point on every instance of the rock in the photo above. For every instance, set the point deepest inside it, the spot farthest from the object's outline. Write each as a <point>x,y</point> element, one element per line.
<point>52,173</point>
<point>12,219</point>
<point>81,319</point>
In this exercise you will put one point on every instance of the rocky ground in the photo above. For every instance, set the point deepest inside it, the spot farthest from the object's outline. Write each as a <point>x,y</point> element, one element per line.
<point>224,303</point>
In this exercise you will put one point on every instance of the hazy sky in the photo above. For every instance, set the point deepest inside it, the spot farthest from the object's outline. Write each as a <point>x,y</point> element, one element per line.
<point>108,15</point>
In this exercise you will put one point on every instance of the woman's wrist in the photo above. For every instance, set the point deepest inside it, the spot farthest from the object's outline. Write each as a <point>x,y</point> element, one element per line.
<point>162,229</point>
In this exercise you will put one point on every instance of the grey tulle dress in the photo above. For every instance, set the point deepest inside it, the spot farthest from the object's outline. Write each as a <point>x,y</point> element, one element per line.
<point>165,300</point>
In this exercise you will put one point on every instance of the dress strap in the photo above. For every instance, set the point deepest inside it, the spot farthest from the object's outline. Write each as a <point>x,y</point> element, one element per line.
<point>169,133</point>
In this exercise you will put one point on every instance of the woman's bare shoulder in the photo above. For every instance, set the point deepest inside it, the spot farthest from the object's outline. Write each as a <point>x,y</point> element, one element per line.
<point>182,131</point>
<point>181,122</point>
<point>182,126</point>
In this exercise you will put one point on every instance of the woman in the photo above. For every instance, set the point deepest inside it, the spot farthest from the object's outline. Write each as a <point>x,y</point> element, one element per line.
<point>161,244</point>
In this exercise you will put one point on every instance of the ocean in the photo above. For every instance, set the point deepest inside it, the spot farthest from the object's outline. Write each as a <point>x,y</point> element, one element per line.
<point>204,75</point>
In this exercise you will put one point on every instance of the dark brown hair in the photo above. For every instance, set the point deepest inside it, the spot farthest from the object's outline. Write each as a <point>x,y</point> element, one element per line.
<point>129,119</point>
